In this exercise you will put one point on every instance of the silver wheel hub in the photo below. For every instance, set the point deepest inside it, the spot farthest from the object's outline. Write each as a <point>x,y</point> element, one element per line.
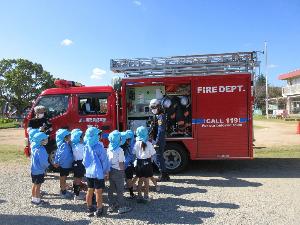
<point>51,157</point>
<point>172,159</point>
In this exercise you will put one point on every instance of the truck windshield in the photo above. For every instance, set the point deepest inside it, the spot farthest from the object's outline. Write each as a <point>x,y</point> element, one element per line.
<point>55,104</point>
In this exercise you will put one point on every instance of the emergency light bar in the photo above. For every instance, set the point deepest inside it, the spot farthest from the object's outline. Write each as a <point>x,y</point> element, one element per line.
<point>66,83</point>
<point>187,65</point>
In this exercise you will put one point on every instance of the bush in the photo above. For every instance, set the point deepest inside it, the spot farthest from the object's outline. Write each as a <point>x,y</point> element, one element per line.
<point>6,120</point>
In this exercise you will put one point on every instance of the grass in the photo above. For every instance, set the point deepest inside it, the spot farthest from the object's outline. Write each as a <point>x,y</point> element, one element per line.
<point>12,154</point>
<point>9,125</point>
<point>263,118</point>
<point>278,152</point>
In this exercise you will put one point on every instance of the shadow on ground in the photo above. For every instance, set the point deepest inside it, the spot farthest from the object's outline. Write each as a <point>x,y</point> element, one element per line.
<point>256,168</point>
<point>171,211</point>
<point>36,220</point>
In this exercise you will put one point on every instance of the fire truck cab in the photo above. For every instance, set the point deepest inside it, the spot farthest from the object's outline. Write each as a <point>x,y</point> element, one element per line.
<point>75,106</point>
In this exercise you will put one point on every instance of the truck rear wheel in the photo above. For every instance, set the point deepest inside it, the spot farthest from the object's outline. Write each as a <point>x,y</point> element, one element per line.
<point>176,158</point>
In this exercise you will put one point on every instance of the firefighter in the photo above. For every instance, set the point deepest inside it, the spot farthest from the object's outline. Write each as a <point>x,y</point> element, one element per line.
<point>159,141</point>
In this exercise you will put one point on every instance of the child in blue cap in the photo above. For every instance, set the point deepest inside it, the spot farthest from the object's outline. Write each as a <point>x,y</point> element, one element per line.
<point>63,159</point>
<point>126,140</point>
<point>39,164</point>
<point>144,151</point>
<point>116,176</point>
<point>78,168</point>
<point>96,165</point>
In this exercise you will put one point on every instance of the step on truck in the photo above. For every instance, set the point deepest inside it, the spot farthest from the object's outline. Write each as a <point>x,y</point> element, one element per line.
<point>208,102</point>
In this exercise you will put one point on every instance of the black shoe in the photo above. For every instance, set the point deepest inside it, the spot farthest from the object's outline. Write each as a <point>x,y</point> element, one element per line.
<point>99,212</point>
<point>132,196</point>
<point>164,178</point>
<point>90,211</point>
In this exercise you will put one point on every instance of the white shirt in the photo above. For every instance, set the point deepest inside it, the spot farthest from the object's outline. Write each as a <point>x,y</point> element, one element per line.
<point>115,157</point>
<point>143,154</point>
<point>78,151</point>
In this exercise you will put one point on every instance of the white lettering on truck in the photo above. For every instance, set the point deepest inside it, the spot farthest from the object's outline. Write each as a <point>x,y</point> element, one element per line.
<point>220,89</point>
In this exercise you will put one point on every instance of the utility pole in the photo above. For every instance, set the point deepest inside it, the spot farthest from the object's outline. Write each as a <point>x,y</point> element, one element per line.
<point>266,75</point>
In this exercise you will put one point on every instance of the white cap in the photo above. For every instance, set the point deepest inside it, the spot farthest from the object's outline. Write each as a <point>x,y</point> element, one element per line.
<point>154,103</point>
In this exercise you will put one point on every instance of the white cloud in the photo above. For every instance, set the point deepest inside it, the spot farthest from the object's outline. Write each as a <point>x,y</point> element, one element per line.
<point>272,66</point>
<point>138,3</point>
<point>66,42</point>
<point>98,73</point>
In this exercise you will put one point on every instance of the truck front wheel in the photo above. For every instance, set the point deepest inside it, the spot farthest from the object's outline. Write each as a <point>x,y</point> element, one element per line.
<point>51,150</point>
<point>176,158</point>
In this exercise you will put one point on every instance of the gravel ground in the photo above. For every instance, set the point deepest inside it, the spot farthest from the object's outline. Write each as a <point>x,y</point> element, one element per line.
<point>262,191</point>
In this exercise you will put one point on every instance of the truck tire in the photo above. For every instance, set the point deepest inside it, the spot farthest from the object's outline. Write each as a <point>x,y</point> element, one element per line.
<point>51,150</point>
<point>51,160</point>
<point>176,157</point>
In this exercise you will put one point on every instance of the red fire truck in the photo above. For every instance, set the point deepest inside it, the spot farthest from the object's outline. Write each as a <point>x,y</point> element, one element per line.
<point>208,101</point>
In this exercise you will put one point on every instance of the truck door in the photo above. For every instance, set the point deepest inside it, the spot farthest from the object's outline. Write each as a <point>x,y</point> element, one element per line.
<point>95,109</point>
<point>222,116</point>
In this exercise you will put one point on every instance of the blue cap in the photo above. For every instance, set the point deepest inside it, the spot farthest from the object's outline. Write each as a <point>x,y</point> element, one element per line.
<point>60,136</point>
<point>130,134</point>
<point>123,137</point>
<point>142,134</point>
<point>91,136</point>
<point>38,138</point>
<point>114,140</point>
<point>75,136</point>
<point>31,133</point>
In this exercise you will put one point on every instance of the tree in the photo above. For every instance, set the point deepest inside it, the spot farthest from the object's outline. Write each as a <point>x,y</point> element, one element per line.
<point>260,93</point>
<point>21,81</point>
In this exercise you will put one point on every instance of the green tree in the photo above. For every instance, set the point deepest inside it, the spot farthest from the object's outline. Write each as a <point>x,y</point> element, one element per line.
<point>21,81</point>
<point>260,93</point>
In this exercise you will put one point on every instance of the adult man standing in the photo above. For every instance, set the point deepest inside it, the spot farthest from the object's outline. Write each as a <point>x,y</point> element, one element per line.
<point>40,121</point>
<point>159,139</point>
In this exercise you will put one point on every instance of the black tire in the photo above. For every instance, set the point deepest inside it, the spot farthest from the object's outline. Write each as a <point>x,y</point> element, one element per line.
<point>51,150</point>
<point>176,157</point>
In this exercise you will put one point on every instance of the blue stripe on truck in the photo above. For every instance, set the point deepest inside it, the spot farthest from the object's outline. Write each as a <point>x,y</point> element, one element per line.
<point>202,121</point>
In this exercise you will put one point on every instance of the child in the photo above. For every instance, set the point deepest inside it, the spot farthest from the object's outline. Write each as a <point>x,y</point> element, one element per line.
<point>39,164</point>
<point>63,159</point>
<point>96,165</point>
<point>78,168</point>
<point>126,138</point>
<point>116,175</point>
<point>143,150</point>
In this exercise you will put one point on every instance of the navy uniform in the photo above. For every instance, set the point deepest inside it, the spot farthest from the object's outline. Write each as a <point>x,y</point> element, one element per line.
<point>159,138</point>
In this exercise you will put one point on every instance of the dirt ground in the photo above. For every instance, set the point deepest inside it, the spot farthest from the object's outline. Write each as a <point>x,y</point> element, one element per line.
<point>13,136</point>
<point>267,134</point>
<point>270,133</point>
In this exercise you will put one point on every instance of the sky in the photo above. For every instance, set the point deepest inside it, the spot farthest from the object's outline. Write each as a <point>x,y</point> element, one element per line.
<point>75,40</point>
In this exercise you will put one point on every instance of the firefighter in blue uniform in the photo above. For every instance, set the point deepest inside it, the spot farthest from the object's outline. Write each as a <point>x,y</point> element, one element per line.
<point>159,137</point>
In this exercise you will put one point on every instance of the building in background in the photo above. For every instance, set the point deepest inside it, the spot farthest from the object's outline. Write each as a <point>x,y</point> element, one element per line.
<point>292,91</point>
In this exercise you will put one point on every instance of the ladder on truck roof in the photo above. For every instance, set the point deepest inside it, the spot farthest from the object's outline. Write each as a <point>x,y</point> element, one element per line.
<point>209,64</point>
